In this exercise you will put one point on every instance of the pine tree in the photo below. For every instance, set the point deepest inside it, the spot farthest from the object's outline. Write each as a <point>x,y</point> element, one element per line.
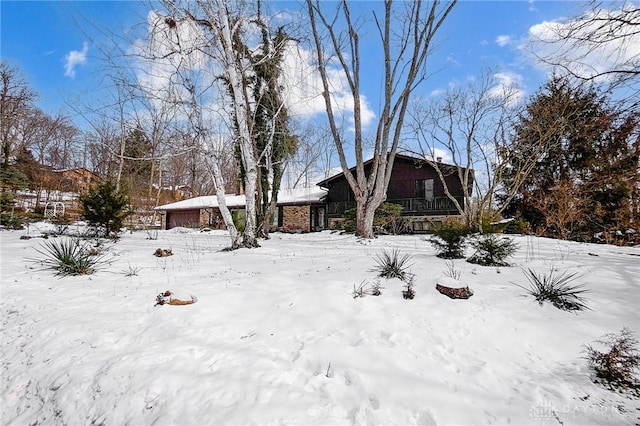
<point>105,207</point>
<point>589,169</point>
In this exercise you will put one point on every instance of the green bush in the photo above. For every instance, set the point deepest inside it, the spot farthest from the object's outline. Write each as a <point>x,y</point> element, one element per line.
<point>388,219</point>
<point>450,239</point>
<point>616,366</point>
<point>349,223</point>
<point>492,251</point>
<point>69,256</point>
<point>239,219</point>
<point>516,226</point>
<point>11,221</point>
<point>105,207</point>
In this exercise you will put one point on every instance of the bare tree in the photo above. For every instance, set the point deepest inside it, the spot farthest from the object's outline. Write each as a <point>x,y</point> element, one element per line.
<point>216,38</point>
<point>313,159</point>
<point>470,126</point>
<point>16,99</point>
<point>406,38</point>
<point>599,44</point>
<point>565,208</point>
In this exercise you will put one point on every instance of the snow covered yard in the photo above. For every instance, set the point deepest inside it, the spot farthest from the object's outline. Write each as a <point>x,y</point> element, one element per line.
<point>276,337</point>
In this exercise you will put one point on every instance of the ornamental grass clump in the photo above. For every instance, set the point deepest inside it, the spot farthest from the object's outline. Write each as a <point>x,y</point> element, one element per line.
<point>393,265</point>
<point>69,256</point>
<point>556,289</point>
<point>492,251</point>
<point>615,367</point>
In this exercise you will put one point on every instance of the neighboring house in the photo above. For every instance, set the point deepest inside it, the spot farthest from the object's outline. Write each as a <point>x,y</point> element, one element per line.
<point>414,184</point>
<point>299,210</point>
<point>78,180</point>
<point>58,192</point>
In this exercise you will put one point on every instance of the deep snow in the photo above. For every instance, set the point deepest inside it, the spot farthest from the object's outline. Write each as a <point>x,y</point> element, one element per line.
<point>276,337</point>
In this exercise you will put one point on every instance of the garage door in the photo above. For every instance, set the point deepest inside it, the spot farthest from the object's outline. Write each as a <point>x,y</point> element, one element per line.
<point>186,218</point>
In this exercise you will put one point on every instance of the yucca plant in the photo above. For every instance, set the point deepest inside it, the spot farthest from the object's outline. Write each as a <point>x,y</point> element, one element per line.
<point>365,289</point>
<point>556,289</point>
<point>69,257</point>
<point>393,265</point>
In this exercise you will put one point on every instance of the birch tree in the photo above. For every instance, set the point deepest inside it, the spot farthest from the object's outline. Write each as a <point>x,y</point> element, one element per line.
<point>221,33</point>
<point>406,31</point>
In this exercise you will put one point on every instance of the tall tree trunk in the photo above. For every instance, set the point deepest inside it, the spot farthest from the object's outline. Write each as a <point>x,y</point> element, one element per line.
<point>234,235</point>
<point>233,71</point>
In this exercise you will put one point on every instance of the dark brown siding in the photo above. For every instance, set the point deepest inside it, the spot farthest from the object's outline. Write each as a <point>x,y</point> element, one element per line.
<point>402,189</point>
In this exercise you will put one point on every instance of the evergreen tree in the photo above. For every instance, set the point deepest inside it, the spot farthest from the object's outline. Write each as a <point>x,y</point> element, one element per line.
<point>137,166</point>
<point>589,169</point>
<point>105,207</point>
<point>29,167</point>
<point>273,139</point>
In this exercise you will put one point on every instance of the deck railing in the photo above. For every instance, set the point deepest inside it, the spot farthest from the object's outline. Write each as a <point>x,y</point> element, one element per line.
<point>410,206</point>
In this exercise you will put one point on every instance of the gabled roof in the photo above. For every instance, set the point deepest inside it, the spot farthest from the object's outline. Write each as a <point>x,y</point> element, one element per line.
<point>285,197</point>
<point>416,160</point>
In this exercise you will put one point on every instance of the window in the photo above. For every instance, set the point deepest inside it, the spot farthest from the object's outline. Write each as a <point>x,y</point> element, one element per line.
<point>424,189</point>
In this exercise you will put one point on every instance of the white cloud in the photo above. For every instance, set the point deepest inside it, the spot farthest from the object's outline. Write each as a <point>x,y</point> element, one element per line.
<point>304,88</point>
<point>439,154</point>
<point>74,58</point>
<point>509,86</point>
<point>303,85</point>
<point>548,40</point>
<point>503,40</point>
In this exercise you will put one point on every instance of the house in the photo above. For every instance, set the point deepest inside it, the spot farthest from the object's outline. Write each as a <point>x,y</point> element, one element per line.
<point>414,184</point>
<point>78,180</point>
<point>299,210</point>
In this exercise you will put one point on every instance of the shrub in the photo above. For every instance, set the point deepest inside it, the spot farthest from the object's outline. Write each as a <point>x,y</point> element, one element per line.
<point>105,207</point>
<point>615,367</point>
<point>450,239</point>
<point>239,220</point>
<point>516,226</point>
<point>393,265</point>
<point>388,219</point>
<point>409,293</point>
<point>349,223</point>
<point>11,221</point>
<point>69,257</point>
<point>452,271</point>
<point>492,251</point>
<point>556,289</point>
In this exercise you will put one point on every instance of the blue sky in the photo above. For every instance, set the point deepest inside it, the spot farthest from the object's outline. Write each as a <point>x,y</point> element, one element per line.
<point>61,62</point>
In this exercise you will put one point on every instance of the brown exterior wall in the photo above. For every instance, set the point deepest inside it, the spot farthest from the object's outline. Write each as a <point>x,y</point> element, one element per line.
<point>405,173</point>
<point>296,218</point>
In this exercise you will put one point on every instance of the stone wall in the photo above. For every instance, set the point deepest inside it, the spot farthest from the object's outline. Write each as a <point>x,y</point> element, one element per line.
<point>296,218</point>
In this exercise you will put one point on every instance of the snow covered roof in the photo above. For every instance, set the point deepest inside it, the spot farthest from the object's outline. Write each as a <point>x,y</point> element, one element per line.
<point>285,196</point>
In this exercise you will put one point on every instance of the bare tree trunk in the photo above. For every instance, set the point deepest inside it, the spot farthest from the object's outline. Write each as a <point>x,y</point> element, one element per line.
<point>233,71</point>
<point>236,238</point>
<point>410,40</point>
